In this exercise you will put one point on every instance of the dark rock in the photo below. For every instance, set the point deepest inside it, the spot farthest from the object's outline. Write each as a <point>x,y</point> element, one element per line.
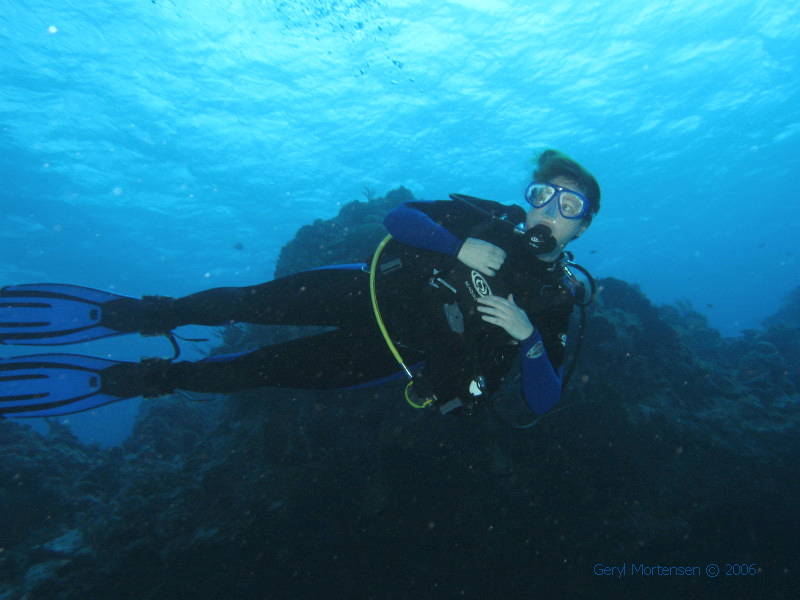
<point>351,236</point>
<point>673,446</point>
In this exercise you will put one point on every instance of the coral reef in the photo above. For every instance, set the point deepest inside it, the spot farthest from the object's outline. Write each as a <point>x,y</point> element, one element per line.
<point>673,446</point>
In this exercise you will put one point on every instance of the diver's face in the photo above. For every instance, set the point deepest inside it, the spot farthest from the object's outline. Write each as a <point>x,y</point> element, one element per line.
<point>564,230</point>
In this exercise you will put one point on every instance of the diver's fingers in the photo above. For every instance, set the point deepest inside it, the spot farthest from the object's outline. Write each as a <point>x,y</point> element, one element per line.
<point>498,253</point>
<point>491,310</point>
<point>495,301</point>
<point>493,320</point>
<point>500,313</point>
<point>481,256</point>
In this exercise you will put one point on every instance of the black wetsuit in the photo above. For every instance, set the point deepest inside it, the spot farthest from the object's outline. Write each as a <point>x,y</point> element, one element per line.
<point>353,354</point>
<point>413,287</point>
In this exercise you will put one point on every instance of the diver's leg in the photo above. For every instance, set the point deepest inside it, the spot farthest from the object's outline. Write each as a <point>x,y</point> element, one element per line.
<point>325,297</point>
<point>333,297</point>
<point>330,360</point>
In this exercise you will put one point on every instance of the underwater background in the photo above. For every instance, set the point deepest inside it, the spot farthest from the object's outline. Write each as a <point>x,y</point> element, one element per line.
<point>167,146</point>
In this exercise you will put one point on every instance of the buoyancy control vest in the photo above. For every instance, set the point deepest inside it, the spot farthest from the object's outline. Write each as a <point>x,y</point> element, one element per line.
<point>429,302</point>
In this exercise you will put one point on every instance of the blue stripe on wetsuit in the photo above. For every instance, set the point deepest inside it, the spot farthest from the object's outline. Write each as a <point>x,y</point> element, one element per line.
<point>345,267</point>
<point>415,228</point>
<point>541,384</point>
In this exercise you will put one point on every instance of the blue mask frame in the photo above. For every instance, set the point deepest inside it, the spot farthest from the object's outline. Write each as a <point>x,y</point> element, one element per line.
<point>571,204</point>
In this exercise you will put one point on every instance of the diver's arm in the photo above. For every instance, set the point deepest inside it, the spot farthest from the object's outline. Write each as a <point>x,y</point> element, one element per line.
<point>541,383</point>
<point>415,228</point>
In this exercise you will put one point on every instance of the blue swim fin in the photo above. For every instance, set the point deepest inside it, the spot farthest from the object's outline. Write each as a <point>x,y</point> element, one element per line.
<point>49,385</point>
<point>52,314</point>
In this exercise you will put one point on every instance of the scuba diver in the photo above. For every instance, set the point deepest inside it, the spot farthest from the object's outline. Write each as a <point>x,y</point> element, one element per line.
<point>457,292</point>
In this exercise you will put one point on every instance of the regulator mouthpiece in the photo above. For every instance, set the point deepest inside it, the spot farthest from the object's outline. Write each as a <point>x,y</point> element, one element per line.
<point>541,239</point>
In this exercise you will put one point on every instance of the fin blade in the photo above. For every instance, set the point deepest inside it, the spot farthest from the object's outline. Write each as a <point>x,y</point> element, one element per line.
<point>51,314</point>
<point>52,384</point>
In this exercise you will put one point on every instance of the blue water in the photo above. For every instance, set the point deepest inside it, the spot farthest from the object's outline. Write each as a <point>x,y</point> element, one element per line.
<point>166,146</point>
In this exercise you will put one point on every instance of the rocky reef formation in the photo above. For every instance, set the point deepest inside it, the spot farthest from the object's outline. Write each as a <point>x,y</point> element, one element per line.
<point>673,447</point>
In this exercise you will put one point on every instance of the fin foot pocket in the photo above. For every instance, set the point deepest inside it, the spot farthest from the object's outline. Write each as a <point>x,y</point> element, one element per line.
<point>149,316</point>
<point>47,385</point>
<point>149,378</point>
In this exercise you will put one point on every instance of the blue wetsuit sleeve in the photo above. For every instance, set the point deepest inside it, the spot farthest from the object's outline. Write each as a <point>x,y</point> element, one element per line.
<point>541,383</point>
<point>415,228</point>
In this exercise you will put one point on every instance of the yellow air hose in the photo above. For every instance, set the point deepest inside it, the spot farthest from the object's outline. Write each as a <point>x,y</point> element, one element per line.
<point>392,348</point>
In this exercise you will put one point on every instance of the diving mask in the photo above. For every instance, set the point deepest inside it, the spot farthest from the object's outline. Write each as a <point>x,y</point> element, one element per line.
<point>571,204</point>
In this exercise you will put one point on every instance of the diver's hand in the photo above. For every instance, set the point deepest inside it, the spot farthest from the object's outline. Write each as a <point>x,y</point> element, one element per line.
<point>504,313</point>
<point>481,256</point>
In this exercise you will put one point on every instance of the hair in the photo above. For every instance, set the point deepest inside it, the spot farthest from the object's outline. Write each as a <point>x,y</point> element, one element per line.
<point>552,163</point>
